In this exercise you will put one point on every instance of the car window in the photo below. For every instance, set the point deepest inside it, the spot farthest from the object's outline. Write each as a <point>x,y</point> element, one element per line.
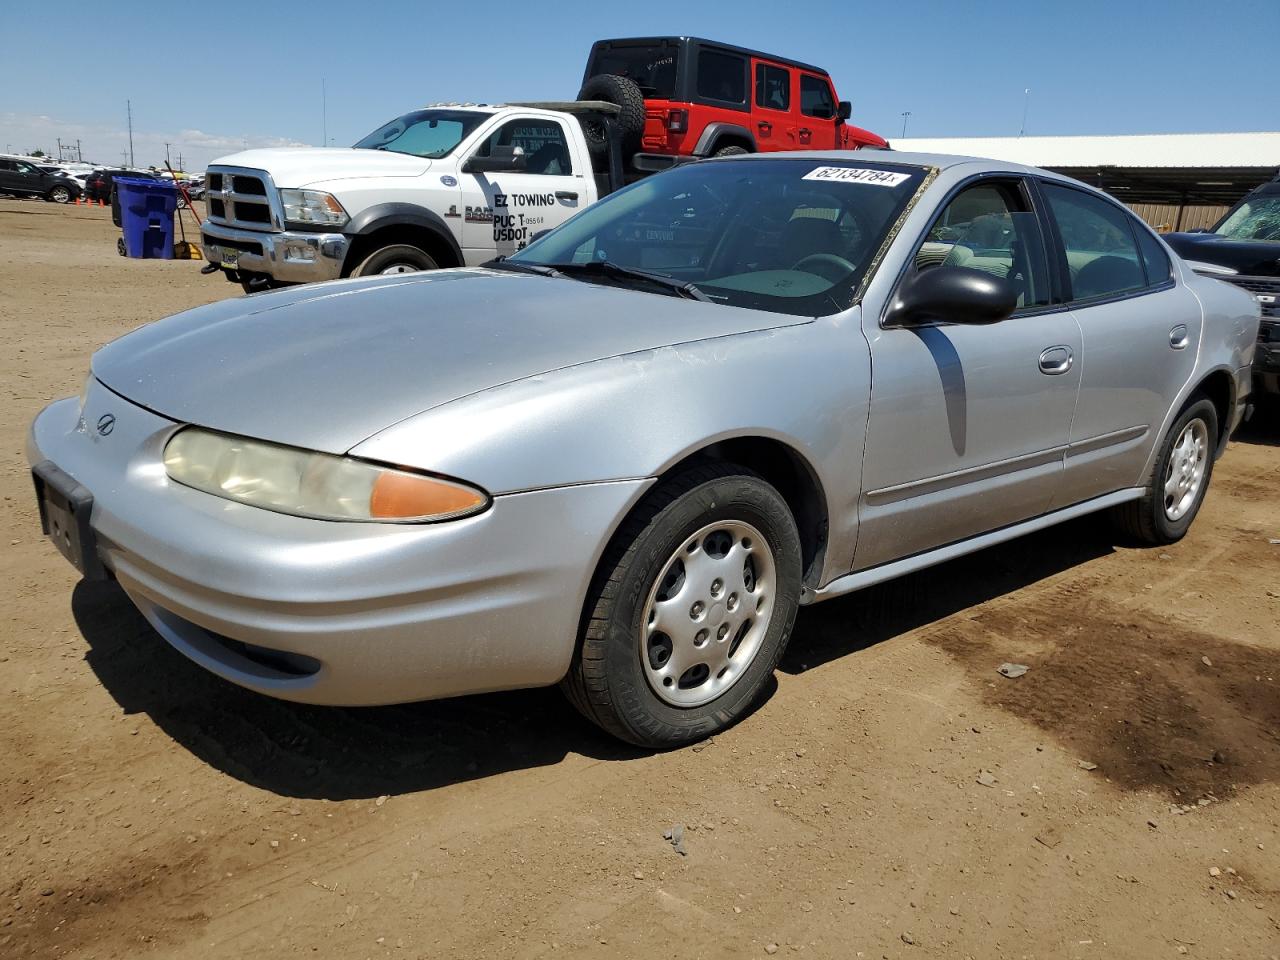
<point>815,97</point>
<point>991,227</point>
<point>652,68</point>
<point>546,149</point>
<point>24,167</point>
<point>1154,258</point>
<point>424,133</point>
<point>722,76</point>
<point>773,87</point>
<point>1102,254</point>
<point>1256,218</point>
<point>786,235</point>
<point>7,165</point>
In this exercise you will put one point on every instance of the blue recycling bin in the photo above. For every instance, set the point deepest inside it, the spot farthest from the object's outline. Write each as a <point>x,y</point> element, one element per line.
<point>146,217</point>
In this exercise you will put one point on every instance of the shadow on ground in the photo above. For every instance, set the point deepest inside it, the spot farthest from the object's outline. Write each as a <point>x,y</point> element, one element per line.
<point>1156,702</point>
<point>323,752</point>
<point>1264,426</point>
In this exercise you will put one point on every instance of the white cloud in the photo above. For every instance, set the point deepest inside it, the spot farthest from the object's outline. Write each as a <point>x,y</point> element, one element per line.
<point>107,144</point>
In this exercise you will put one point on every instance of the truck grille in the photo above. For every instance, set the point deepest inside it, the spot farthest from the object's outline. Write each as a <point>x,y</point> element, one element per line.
<point>1262,287</point>
<point>242,198</point>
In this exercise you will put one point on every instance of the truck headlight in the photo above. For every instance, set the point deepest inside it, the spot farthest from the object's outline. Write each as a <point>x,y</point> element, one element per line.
<point>312,207</point>
<point>316,485</point>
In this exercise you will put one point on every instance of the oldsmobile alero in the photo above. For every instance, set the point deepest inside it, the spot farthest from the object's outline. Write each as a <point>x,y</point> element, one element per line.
<point>620,459</point>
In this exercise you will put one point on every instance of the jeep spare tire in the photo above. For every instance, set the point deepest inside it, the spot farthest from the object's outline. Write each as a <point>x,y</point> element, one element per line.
<point>630,120</point>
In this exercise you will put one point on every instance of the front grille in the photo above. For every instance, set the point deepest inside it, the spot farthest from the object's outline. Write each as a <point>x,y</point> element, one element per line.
<point>1263,286</point>
<point>240,198</point>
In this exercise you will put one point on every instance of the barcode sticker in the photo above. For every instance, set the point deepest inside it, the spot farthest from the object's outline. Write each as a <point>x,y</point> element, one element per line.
<point>878,178</point>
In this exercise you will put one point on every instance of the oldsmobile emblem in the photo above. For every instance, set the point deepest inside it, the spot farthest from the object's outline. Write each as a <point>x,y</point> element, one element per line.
<point>106,423</point>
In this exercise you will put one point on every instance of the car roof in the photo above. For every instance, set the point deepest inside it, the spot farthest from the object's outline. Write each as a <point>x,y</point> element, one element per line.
<point>702,41</point>
<point>939,161</point>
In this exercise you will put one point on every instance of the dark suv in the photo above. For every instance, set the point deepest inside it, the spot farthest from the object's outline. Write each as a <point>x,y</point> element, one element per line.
<point>1244,248</point>
<point>22,178</point>
<point>684,96</point>
<point>98,184</point>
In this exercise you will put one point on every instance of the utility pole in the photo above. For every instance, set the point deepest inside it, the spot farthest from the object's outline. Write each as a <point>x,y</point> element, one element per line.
<point>1026,101</point>
<point>166,155</point>
<point>124,158</point>
<point>129,107</point>
<point>180,166</point>
<point>79,155</point>
<point>324,115</point>
<point>905,115</point>
<point>59,149</point>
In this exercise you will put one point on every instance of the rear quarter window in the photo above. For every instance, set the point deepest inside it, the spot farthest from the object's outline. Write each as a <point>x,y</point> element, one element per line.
<point>722,76</point>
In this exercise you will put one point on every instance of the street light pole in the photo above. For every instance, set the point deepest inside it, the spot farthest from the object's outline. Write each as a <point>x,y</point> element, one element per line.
<point>1026,102</point>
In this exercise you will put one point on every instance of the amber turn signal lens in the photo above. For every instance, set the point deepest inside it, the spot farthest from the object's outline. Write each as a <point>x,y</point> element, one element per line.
<point>406,496</point>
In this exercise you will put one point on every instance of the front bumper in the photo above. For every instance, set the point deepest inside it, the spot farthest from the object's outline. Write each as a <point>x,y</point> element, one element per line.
<point>334,613</point>
<point>290,257</point>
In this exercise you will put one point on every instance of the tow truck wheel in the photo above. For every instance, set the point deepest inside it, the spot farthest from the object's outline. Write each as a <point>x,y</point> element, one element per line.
<point>397,258</point>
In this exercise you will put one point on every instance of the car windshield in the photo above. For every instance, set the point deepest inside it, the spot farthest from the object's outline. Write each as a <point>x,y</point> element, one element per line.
<point>652,67</point>
<point>785,235</point>
<point>424,133</point>
<point>1257,218</point>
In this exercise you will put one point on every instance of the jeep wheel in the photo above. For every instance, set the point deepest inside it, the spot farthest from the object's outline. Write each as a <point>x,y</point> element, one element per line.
<point>731,152</point>
<point>623,92</point>
<point>59,194</point>
<point>398,258</point>
<point>1178,481</point>
<point>690,610</point>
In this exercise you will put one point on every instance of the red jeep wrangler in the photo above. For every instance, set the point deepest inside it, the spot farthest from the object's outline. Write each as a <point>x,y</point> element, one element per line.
<point>683,96</point>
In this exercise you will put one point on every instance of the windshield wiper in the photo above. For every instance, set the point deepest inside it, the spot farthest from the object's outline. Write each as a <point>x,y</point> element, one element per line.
<point>502,263</point>
<point>607,268</point>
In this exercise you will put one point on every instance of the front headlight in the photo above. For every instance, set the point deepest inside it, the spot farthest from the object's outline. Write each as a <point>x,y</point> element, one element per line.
<point>312,207</point>
<point>309,484</point>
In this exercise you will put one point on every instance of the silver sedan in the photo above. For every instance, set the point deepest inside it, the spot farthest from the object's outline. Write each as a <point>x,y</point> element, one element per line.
<point>622,458</point>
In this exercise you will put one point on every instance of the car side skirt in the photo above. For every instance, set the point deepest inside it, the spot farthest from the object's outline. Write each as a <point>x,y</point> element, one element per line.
<point>897,568</point>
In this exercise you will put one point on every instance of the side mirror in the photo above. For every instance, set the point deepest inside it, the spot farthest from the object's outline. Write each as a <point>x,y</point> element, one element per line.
<point>502,159</point>
<point>844,110</point>
<point>952,295</point>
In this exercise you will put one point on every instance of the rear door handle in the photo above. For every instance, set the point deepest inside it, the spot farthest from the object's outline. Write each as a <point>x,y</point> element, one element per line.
<point>566,195</point>
<point>765,126</point>
<point>1178,337</point>
<point>1056,360</point>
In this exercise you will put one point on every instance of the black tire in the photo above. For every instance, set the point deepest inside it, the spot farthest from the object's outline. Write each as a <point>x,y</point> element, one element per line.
<point>120,249</point>
<point>607,682</point>
<point>59,194</point>
<point>623,92</point>
<point>731,151</point>
<point>397,258</point>
<point>1147,520</point>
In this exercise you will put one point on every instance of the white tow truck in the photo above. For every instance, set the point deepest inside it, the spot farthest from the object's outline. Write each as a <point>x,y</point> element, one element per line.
<point>445,186</point>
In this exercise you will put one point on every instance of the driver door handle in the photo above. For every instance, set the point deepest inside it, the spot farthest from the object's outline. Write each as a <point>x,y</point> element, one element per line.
<point>566,195</point>
<point>1055,361</point>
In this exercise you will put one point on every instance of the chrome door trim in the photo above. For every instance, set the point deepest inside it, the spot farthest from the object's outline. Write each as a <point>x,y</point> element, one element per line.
<point>985,471</point>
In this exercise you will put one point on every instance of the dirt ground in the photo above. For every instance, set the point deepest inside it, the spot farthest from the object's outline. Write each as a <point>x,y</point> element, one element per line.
<point>893,797</point>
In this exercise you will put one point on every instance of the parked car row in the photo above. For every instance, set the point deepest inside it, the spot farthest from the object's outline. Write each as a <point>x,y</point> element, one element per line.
<point>20,177</point>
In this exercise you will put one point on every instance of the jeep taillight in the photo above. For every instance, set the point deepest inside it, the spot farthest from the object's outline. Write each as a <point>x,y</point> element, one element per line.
<point>677,121</point>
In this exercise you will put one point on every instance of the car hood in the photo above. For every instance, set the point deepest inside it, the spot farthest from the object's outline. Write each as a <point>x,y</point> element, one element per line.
<point>326,366</point>
<point>301,166</point>
<point>1253,258</point>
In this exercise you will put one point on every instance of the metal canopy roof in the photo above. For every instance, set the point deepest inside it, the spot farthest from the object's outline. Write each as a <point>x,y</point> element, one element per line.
<point>1175,168</point>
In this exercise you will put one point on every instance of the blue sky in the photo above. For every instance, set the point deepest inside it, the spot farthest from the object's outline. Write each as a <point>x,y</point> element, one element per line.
<point>213,76</point>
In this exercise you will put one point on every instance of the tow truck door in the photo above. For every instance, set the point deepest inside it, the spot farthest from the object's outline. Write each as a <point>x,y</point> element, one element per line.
<point>501,211</point>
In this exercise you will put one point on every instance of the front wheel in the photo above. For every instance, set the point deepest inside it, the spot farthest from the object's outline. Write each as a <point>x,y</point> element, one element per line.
<point>1179,479</point>
<point>398,258</point>
<point>59,195</point>
<point>690,611</point>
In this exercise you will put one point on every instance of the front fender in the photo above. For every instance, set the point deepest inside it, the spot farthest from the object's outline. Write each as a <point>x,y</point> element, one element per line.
<point>634,416</point>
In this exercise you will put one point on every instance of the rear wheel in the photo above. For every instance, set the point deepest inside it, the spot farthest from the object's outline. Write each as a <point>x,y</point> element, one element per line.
<point>1179,479</point>
<point>731,151</point>
<point>397,258</point>
<point>690,611</point>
